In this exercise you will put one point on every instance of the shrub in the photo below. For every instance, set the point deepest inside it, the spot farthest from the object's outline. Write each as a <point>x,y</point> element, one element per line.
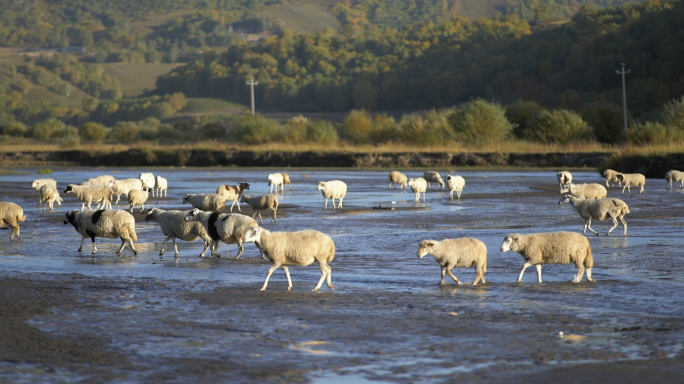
<point>520,114</point>
<point>606,120</point>
<point>321,132</point>
<point>257,130</point>
<point>431,128</point>
<point>93,131</point>
<point>71,141</point>
<point>480,122</point>
<point>673,113</point>
<point>384,129</point>
<point>358,126</point>
<point>558,126</point>
<point>213,130</point>
<point>46,129</point>
<point>15,128</point>
<point>295,129</point>
<point>652,132</point>
<point>125,131</point>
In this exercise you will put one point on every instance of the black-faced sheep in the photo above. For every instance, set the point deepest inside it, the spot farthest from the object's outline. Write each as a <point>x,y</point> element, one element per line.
<point>262,203</point>
<point>456,184</point>
<point>629,179</point>
<point>10,216</point>
<point>599,209</point>
<point>294,248</point>
<point>552,248</point>
<point>395,178</point>
<point>334,189</point>
<point>463,253</point>
<point>174,226</point>
<point>232,193</point>
<point>229,228</point>
<point>110,224</point>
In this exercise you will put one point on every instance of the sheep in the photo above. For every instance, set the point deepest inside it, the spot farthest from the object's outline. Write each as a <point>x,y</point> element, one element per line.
<point>610,177</point>
<point>100,180</point>
<point>138,197</point>
<point>148,181</point>
<point>11,215</point>
<point>286,180</point>
<point>89,193</point>
<point>232,192</point>
<point>49,195</point>
<point>552,248</point>
<point>456,184</point>
<point>331,190</point>
<point>599,209</point>
<point>122,187</point>
<point>174,226</point>
<point>418,186</point>
<point>295,248</point>
<point>432,176</point>
<point>227,227</point>
<point>673,175</point>
<point>259,203</point>
<point>39,183</point>
<point>636,179</point>
<point>161,184</point>
<point>465,252</point>
<point>585,191</point>
<point>564,177</point>
<point>206,202</point>
<point>275,179</point>
<point>106,223</point>
<point>395,178</point>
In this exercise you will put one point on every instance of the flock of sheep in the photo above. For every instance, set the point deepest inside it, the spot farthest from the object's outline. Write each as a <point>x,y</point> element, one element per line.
<point>206,221</point>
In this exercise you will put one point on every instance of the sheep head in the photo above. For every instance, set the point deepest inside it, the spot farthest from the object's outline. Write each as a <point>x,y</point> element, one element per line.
<point>510,242</point>
<point>321,185</point>
<point>252,234</point>
<point>426,248</point>
<point>149,216</point>
<point>192,215</point>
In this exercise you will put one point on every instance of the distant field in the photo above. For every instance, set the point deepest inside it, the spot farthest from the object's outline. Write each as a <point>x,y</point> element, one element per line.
<point>475,9</point>
<point>310,17</point>
<point>137,77</point>
<point>208,106</point>
<point>146,25</point>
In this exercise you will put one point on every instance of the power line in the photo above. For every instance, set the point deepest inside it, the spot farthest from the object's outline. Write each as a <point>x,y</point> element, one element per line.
<point>623,72</point>
<point>253,83</point>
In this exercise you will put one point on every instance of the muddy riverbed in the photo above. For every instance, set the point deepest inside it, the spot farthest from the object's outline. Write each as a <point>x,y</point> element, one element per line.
<point>71,317</point>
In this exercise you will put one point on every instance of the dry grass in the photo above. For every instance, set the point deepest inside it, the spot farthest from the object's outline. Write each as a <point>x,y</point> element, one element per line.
<point>310,17</point>
<point>135,78</point>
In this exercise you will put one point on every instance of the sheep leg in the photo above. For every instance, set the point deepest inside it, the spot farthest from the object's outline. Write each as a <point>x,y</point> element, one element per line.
<point>642,189</point>
<point>324,273</point>
<point>333,202</point>
<point>274,217</point>
<point>117,199</point>
<point>587,224</point>
<point>175,247</point>
<point>161,252</point>
<point>261,220</point>
<point>458,194</point>
<point>339,203</point>
<point>94,246</point>
<point>390,185</point>
<point>123,245</point>
<point>623,188</point>
<point>624,225</point>
<point>580,273</point>
<point>329,276</point>
<point>206,246</point>
<point>326,203</point>
<point>268,275</point>
<point>524,267</point>
<point>539,267</point>
<point>443,275</point>
<point>589,275</point>
<point>130,242</point>
<point>451,195</point>
<point>214,249</point>
<point>241,248</point>
<point>479,278</point>
<point>80,247</point>
<point>615,224</point>
<point>142,207</point>
<point>423,197</point>
<point>453,277</point>
<point>289,281</point>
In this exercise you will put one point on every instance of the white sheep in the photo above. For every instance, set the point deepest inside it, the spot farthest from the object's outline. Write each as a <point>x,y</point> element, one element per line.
<point>552,248</point>
<point>49,195</point>
<point>110,224</point>
<point>433,177</point>
<point>276,179</point>
<point>286,179</point>
<point>564,177</point>
<point>206,202</point>
<point>599,209</point>
<point>232,193</point>
<point>148,181</point>
<point>334,189</point>
<point>100,180</point>
<point>295,248</point>
<point>138,197</point>
<point>261,203</point>
<point>629,179</point>
<point>395,178</point>
<point>161,184</point>
<point>10,216</point>
<point>455,183</point>
<point>465,252</point>
<point>100,194</point>
<point>122,187</point>
<point>418,186</point>
<point>672,176</point>
<point>585,191</point>
<point>174,226</point>
<point>39,183</point>
<point>227,227</point>
<point>610,177</point>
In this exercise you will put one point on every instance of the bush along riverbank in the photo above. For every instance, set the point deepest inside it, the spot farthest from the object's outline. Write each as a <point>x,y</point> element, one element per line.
<point>200,158</point>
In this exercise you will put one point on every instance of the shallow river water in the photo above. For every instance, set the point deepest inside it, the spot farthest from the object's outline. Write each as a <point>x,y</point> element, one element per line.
<point>387,319</point>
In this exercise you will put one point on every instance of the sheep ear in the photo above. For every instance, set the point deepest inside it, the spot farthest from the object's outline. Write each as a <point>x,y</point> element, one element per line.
<point>515,238</point>
<point>429,243</point>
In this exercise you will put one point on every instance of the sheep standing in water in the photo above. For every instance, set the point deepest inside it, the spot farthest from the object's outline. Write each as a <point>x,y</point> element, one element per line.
<point>599,209</point>
<point>552,248</point>
<point>636,179</point>
<point>395,178</point>
<point>174,226</point>
<point>433,177</point>
<point>262,203</point>
<point>11,215</point>
<point>109,224</point>
<point>586,191</point>
<point>564,177</point>
<point>331,190</point>
<point>463,253</point>
<point>418,186</point>
<point>232,193</point>
<point>610,176</point>
<point>49,195</point>
<point>674,176</point>
<point>456,184</point>
<point>39,183</point>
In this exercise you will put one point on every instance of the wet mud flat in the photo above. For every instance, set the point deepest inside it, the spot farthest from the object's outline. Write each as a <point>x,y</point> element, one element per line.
<point>69,316</point>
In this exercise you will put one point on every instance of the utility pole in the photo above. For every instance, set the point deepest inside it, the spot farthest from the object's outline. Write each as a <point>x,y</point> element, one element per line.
<point>253,83</point>
<point>623,72</point>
